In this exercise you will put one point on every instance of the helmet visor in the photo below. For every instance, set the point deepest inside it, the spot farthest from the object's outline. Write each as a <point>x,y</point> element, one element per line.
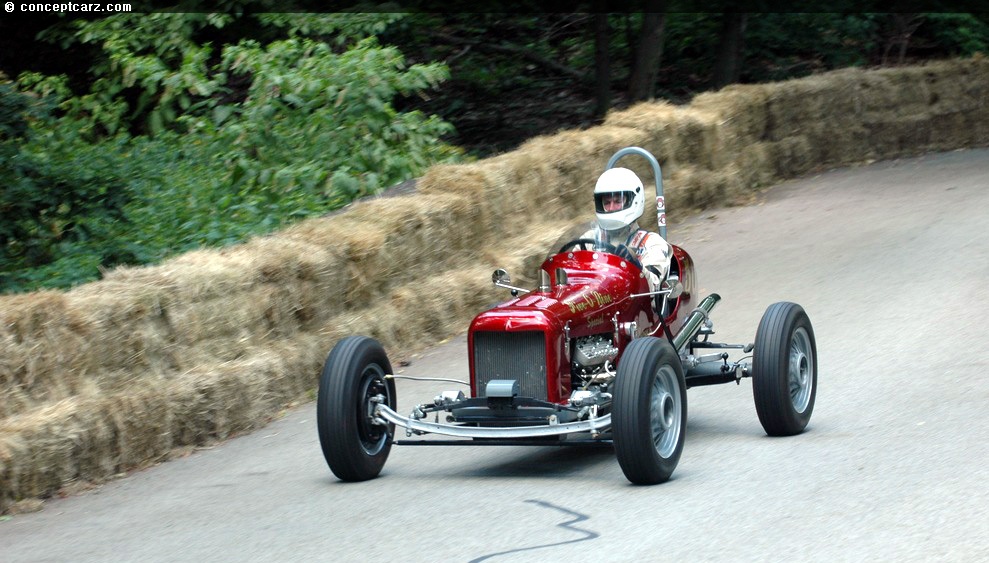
<point>610,202</point>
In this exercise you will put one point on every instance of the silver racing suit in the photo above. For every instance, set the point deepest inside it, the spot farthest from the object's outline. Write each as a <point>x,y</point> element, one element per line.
<point>651,249</point>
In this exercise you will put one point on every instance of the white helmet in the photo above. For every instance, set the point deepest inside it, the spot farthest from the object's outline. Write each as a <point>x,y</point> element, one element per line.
<point>618,199</point>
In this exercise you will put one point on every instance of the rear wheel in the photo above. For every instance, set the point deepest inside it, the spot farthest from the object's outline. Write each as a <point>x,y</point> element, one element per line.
<point>784,370</point>
<point>354,444</point>
<point>649,413</point>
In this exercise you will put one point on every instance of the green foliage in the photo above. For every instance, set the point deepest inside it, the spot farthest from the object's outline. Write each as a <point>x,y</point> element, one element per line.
<point>787,45</point>
<point>15,110</point>
<point>308,105</point>
<point>338,28</point>
<point>149,70</point>
<point>959,34</point>
<point>177,144</point>
<point>182,199</point>
<point>61,197</point>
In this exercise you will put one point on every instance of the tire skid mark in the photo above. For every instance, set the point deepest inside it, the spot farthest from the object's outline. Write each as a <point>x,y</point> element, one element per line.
<point>568,525</point>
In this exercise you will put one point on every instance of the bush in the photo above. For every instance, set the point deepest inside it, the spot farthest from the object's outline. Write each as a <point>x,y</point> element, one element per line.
<point>61,197</point>
<point>173,148</point>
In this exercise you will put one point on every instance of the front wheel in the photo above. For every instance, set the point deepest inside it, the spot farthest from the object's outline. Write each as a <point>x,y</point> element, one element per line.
<point>649,412</point>
<point>354,444</point>
<point>784,370</point>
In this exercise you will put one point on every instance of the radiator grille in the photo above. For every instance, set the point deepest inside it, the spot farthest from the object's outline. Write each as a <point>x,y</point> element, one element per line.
<point>511,355</point>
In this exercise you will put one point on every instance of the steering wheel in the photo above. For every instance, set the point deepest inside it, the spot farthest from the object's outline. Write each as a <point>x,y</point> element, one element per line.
<point>588,244</point>
<point>592,244</point>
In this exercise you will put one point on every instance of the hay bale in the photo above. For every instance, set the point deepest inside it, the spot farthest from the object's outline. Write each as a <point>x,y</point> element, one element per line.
<point>790,157</point>
<point>40,333</point>
<point>547,177</point>
<point>756,165</point>
<point>685,136</point>
<point>697,188</point>
<point>664,124</point>
<point>219,400</point>
<point>408,235</point>
<point>129,326</point>
<point>741,110</point>
<point>494,198</point>
<point>958,104</point>
<point>92,437</point>
<point>40,451</point>
<point>897,136</point>
<point>578,158</point>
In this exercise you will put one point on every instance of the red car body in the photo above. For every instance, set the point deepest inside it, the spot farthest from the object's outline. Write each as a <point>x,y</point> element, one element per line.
<point>598,295</point>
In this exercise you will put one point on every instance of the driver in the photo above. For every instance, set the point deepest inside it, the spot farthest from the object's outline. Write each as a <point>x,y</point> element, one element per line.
<point>619,201</point>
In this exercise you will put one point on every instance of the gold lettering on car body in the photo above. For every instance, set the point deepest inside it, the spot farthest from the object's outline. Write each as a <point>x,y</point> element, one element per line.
<point>594,299</point>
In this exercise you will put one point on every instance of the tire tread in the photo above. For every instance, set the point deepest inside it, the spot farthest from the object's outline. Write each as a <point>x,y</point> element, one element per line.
<point>335,414</point>
<point>770,363</point>
<point>632,433</point>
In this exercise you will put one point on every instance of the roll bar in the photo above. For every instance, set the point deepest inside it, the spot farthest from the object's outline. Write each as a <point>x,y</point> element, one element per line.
<point>657,172</point>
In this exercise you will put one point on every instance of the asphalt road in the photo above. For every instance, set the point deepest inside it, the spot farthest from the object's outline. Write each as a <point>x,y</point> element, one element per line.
<point>891,261</point>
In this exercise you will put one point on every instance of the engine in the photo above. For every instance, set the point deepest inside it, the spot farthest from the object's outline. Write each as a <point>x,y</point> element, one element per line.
<point>590,353</point>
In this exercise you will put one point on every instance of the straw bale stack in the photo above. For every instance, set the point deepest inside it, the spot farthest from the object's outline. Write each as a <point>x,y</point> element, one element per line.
<point>119,373</point>
<point>679,136</point>
<point>141,418</point>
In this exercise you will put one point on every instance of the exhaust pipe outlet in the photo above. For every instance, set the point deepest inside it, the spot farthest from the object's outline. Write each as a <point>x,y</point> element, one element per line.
<point>561,277</point>
<point>544,285</point>
<point>695,321</point>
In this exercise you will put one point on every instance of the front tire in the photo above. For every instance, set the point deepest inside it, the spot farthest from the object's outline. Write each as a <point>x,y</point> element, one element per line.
<point>784,370</point>
<point>649,414</point>
<point>354,446</point>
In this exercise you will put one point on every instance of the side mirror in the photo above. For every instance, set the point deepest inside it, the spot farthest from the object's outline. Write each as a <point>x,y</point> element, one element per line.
<point>500,276</point>
<point>673,284</point>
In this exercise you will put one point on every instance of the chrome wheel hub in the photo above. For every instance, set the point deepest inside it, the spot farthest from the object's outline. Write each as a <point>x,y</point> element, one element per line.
<point>800,376</point>
<point>666,411</point>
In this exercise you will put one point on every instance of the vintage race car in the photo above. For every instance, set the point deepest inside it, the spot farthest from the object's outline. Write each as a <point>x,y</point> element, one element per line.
<point>590,356</point>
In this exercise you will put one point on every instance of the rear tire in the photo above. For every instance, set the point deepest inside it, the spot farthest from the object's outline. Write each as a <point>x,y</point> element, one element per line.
<point>784,370</point>
<point>649,413</point>
<point>354,447</point>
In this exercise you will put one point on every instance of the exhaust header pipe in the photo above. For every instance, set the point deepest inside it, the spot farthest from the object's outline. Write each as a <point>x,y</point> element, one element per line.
<point>695,321</point>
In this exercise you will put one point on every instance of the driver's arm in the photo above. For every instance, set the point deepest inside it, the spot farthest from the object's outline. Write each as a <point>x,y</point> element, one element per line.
<point>655,257</point>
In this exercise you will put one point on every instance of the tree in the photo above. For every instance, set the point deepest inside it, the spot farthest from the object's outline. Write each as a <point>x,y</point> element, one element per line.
<point>904,26</point>
<point>731,49</point>
<point>648,52</point>
<point>602,62</point>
